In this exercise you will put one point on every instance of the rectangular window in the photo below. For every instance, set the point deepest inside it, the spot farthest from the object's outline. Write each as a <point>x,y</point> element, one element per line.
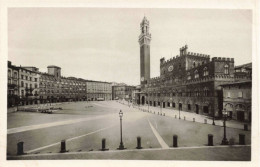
<point>15,74</point>
<point>240,94</point>
<point>35,79</point>
<point>21,76</point>
<point>9,73</point>
<point>228,94</point>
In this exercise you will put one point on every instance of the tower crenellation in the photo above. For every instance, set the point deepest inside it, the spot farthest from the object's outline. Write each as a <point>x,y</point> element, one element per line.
<point>222,59</point>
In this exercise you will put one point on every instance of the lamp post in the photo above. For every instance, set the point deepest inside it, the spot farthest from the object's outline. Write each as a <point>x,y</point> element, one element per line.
<point>213,117</point>
<point>224,140</point>
<point>213,123</point>
<point>161,107</point>
<point>179,111</point>
<point>121,146</point>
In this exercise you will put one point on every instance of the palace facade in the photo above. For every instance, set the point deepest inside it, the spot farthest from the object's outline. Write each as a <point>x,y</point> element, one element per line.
<point>189,81</point>
<point>28,86</point>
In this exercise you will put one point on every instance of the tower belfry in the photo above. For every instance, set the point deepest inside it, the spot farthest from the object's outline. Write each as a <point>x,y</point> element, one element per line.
<point>144,41</point>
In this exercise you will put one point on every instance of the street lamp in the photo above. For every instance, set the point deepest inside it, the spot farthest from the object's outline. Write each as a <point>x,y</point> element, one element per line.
<point>213,123</point>
<point>161,107</point>
<point>179,111</point>
<point>121,146</point>
<point>224,140</point>
<point>148,106</point>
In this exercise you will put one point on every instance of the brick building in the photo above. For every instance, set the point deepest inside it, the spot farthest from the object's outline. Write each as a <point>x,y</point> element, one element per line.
<point>189,81</point>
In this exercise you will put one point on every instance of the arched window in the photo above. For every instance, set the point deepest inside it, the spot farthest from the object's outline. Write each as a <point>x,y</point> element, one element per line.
<point>205,72</point>
<point>194,64</point>
<point>196,74</point>
<point>196,92</point>
<point>226,69</point>
<point>206,91</point>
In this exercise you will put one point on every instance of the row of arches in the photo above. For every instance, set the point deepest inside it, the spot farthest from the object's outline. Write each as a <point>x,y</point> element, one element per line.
<point>239,111</point>
<point>183,105</point>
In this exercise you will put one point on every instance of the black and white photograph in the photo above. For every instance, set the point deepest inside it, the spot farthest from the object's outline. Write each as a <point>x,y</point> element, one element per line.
<point>129,83</point>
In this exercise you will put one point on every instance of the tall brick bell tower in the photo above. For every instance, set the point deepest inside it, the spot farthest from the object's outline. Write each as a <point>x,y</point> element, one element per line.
<point>144,41</point>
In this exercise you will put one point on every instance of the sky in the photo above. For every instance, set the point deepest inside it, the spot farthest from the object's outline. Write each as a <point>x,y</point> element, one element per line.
<point>102,43</point>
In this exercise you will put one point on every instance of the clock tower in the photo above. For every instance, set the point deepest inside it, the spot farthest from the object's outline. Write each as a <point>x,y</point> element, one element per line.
<point>144,41</point>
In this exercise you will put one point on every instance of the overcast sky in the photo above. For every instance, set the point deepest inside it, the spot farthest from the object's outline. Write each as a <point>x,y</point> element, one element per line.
<point>102,43</point>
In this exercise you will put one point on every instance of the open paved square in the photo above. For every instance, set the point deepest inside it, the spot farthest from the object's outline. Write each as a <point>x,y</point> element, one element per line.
<point>84,124</point>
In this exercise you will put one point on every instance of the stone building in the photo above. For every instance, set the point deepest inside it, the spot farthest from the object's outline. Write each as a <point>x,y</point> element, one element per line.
<point>96,90</point>
<point>243,72</point>
<point>55,88</point>
<point>12,85</point>
<point>189,81</point>
<point>135,93</point>
<point>237,100</point>
<point>122,92</point>
<point>29,85</point>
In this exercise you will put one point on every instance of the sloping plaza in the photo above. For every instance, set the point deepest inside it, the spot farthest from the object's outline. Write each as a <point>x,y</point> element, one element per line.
<point>87,127</point>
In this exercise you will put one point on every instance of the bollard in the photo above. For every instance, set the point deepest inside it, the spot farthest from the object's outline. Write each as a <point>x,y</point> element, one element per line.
<point>139,143</point>
<point>154,112</point>
<point>175,116</point>
<point>20,148</point>
<point>104,145</point>
<point>175,141</point>
<point>163,114</point>
<point>205,121</point>
<point>193,119</point>
<point>245,127</point>
<point>184,118</point>
<point>158,113</point>
<point>210,140</point>
<point>242,139</point>
<point>63,146</point>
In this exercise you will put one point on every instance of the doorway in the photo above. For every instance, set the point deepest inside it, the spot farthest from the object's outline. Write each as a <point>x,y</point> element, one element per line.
<point>189,107</point>
<point>143,100</point>
<point>180,106</point>
<point>205,109</point>
<point>240,116</point>
<point>197,108</point>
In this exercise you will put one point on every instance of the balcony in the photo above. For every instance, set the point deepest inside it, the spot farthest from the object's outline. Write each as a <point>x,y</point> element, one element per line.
<point>12,86</point>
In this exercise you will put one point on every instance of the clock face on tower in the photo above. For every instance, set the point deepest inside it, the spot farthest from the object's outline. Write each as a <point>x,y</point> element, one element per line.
<point>142,79</point>
<point>170,68</point>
